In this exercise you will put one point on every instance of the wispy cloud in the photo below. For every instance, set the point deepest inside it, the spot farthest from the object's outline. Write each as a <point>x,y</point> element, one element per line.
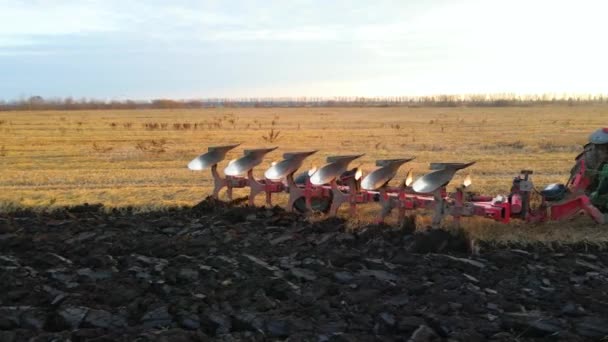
<point>189,47</point>
<point>22,18</point>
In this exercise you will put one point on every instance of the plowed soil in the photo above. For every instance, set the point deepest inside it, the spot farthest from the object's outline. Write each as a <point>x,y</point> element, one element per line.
<point>218,272</point>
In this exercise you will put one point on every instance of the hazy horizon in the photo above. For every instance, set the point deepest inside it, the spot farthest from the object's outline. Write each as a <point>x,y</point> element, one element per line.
<point>204,49</point>
<point>533,97</point>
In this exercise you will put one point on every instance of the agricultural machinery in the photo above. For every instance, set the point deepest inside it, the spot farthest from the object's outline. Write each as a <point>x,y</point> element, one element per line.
<point>329,187</point>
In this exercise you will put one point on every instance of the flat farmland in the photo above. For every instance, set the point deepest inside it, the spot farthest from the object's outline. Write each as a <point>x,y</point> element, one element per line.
<point>138,157</point>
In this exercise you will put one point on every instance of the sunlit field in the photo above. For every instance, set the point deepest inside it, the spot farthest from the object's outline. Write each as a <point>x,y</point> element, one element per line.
<point>138,158</point>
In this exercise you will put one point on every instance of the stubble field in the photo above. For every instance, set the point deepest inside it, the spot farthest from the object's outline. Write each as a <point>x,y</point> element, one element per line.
<point>138,158</point>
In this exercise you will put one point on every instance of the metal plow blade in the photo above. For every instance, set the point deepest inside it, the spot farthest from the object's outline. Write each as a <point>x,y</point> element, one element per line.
<point>439,178</point>
<point>335,167</point>
<point>215,155</point>
<point>291,163</point>
<point>382,175</point>
<point>251,159</point>
<point>455,166</point>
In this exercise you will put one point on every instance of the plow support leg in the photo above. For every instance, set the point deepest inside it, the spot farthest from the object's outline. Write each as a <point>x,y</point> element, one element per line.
<point>595,214</point>
<point>255,188</point>
<point>308,195</point>
<point>387,205</point>
<point>269,198</point>
<point>294,193</point>
<point>570,208</point>
<point>439,209</point>
<point>457,210</point>
<point>338,199</point>
<point>218,182</point>
<point>229,192</point>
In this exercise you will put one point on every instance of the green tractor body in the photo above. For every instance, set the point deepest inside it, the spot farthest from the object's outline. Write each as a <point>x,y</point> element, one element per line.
<point>599,195</point>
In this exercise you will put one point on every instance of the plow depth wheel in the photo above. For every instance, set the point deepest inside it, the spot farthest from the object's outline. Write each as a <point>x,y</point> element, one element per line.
<point>320,204</point>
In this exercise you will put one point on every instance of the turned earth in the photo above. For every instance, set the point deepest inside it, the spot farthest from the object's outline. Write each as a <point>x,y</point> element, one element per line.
<point>218,272</point>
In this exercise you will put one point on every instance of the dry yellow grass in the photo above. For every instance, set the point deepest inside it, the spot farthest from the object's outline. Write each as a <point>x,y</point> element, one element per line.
<point>65,158</point>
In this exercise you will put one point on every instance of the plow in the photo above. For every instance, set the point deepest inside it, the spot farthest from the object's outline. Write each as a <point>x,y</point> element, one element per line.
<point>333,185</point>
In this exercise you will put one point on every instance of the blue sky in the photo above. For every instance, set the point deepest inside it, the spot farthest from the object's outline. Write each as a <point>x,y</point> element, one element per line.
<point>193,49</point>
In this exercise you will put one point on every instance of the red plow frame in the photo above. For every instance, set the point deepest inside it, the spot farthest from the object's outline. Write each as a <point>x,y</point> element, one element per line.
<point>333,185</point>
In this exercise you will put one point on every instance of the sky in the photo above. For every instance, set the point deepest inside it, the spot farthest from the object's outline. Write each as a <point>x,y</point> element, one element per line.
<point>121,49</point>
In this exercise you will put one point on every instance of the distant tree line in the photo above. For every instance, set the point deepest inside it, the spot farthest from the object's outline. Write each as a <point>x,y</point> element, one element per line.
<point>472,100</point>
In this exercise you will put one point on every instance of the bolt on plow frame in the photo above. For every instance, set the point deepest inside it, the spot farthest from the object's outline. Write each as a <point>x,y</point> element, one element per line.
<point>329,187</point>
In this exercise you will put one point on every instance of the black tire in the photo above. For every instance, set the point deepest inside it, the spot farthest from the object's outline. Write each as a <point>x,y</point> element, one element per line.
<point>318,204</point>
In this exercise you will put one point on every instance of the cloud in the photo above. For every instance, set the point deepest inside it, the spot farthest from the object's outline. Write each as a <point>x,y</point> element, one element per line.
<point>194,21</point>
<point>7,41</point>
<point>106,47</point>
<point>22,18</point>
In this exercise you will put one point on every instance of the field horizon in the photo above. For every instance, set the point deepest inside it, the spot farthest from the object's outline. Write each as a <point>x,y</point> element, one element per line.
<point>502,99</point>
